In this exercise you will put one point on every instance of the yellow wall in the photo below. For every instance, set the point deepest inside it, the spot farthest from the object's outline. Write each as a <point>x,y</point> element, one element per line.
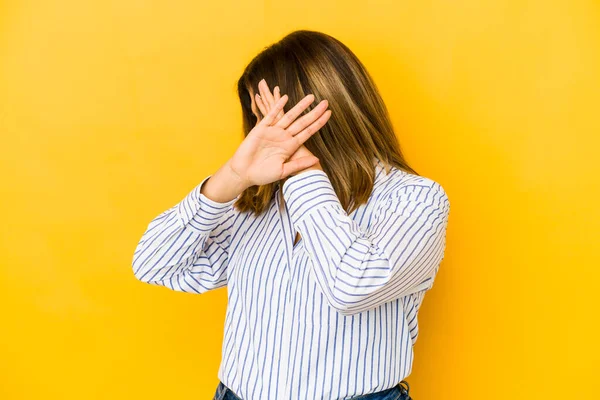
<point>111,111</point>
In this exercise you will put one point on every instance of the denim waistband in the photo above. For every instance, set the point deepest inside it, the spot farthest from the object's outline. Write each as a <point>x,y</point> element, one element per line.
<point>398,392</point>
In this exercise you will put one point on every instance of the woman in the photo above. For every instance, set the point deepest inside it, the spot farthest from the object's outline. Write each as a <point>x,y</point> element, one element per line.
<point>324,236</point>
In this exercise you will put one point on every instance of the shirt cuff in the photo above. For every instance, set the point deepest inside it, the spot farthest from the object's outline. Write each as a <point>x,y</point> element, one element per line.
<point>201,213</point>
<point>309,190</point>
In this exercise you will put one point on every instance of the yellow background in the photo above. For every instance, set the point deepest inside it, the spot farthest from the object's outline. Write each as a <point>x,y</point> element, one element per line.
<point>111,111</point>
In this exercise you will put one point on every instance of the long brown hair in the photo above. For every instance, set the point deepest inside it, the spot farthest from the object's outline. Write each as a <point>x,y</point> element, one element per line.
<point>359,131</point>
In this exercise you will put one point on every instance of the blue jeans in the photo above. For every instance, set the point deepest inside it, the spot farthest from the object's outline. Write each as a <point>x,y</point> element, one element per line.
<point>398,392</point>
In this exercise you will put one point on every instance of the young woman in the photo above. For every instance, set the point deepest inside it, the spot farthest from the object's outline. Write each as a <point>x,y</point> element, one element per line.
<point>324,236</point>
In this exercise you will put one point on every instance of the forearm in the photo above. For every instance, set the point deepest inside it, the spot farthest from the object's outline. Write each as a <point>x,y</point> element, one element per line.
<point>357,269</point>
<point>175,250</point>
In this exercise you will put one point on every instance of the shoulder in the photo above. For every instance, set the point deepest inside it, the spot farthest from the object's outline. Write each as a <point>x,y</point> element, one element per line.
<point>400,185</point>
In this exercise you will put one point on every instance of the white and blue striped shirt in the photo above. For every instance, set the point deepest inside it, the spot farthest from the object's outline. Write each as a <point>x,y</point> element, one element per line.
<point>330,317</point>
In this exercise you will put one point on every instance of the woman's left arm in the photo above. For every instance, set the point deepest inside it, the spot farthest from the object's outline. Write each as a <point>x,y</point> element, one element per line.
<point>358,270</point>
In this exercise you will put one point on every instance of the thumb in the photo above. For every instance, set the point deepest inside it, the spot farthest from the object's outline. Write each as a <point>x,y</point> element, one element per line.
<point>294,166</point>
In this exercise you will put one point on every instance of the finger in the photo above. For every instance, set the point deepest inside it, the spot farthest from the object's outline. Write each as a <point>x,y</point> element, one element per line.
<point>266,92</point>
<point>298,164</point>
<point>313,128</point>
<point>293,113</point>
<point>268,98</point>
<point>256,111</point>
<point>276,96</point>
<point>263,89</point>
<point>308,118</point>
<point>269,118</point>
<point>261,105</point>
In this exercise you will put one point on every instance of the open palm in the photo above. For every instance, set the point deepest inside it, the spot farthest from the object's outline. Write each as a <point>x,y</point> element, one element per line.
<point>264,155</point>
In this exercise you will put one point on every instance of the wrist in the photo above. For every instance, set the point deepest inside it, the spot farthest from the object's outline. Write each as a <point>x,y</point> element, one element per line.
<point>316,166</point>
<point>234,179</point>
<point>224,185</point>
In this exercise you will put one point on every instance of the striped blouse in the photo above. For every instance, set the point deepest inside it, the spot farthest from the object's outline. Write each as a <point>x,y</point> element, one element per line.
<point>330,317</point>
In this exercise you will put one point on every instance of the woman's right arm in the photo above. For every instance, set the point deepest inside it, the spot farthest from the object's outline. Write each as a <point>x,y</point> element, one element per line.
<point>186,248</point>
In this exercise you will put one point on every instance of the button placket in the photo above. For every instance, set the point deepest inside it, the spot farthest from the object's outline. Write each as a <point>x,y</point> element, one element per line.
<point>287,231</point>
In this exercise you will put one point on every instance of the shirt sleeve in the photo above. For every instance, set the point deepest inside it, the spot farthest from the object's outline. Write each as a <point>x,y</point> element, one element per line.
<point>186,248</point>
<point>357,269</point>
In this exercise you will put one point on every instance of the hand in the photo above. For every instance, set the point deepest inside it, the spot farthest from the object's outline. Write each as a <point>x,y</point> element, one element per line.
<point>263,156</point>
<point>265,102</point>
